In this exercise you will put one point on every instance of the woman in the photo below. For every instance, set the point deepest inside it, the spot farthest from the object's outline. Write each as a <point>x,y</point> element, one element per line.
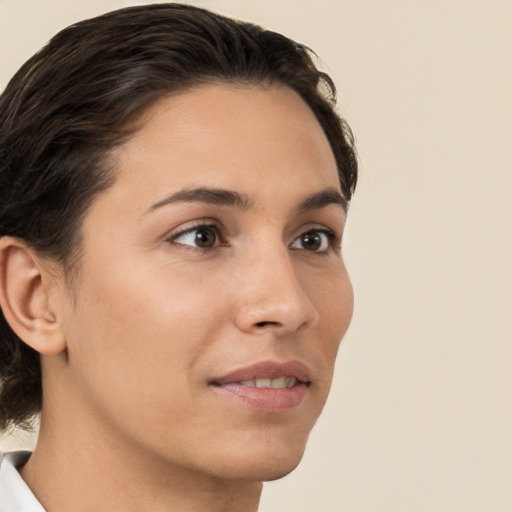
<point>173,191</point>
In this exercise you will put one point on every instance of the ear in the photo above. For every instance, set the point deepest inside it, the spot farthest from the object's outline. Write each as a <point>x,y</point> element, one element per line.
<point>25,286</point>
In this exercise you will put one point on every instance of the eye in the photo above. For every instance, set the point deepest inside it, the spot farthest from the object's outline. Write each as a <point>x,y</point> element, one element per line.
<point>315,240</point>
<point>202,237</point>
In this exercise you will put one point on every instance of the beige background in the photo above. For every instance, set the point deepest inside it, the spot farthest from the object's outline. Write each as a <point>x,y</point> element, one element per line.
<point>420,417</point>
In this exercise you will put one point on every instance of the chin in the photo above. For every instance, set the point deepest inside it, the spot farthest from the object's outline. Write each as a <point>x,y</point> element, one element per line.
<point>263,465</point>
<point>279,473</point>
<point>262,473</point>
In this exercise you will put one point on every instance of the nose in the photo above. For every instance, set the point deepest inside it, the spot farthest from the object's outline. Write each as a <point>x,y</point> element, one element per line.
<point>272,297</point>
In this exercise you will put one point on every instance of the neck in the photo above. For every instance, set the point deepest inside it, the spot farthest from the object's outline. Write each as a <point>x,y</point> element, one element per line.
<point>76,467</point>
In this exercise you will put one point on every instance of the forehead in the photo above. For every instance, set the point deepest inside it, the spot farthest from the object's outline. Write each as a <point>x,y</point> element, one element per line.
<point>244,138</point>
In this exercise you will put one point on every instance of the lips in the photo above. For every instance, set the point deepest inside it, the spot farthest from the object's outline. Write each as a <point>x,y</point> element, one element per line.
<point>267,370</point>
<point>267,386</point>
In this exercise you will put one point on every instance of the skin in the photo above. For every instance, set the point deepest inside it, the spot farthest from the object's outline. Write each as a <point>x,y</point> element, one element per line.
<point>130,420</point>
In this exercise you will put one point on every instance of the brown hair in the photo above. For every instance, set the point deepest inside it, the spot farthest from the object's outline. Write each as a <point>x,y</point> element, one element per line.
<point>73,101</point>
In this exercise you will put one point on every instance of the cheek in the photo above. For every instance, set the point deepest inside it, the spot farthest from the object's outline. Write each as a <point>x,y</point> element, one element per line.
<point>139,334</point>
<point>332,295</point>
<point>341,309</point>
<point>334,302</point>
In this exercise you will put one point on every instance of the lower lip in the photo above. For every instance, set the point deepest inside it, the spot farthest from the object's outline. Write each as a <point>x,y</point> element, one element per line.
<point>266,399</point>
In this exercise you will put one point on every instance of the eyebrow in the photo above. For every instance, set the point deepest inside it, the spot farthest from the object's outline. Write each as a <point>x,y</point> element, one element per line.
<point>216,196</point>
<point>230,198</point>
<point>322,199</point>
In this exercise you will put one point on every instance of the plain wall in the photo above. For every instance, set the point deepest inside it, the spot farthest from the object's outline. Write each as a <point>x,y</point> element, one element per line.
<point>420,415</point>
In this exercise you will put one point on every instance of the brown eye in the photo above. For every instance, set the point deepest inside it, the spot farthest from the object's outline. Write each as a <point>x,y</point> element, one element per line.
<point>311,241</point>
<point>203,237</point>
<point>315,241</point>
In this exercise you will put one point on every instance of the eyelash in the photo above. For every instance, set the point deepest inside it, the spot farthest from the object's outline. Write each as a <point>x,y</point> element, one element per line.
<point>334,242</point>
<point>205,225</point>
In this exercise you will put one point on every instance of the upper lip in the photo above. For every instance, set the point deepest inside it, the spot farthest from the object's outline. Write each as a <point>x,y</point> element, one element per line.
<point>267,370</point>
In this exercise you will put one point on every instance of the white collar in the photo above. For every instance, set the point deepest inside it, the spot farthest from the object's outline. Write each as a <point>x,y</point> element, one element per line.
<point>15,495</point>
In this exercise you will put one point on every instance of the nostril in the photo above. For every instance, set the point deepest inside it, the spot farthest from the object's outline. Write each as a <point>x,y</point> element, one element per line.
<point>264,324</point>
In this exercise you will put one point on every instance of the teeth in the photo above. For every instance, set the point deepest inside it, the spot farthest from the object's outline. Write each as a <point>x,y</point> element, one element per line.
<point>279,383</point>
<point>290,382</point>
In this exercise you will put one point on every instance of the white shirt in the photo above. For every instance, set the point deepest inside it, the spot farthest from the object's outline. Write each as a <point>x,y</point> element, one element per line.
<point>15,496</point>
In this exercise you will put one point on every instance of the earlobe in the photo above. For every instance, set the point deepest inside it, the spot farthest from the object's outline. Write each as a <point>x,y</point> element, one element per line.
<point>25,298</point>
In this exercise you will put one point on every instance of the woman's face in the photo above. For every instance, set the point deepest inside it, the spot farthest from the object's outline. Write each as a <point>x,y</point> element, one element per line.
<point>212,294</point>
